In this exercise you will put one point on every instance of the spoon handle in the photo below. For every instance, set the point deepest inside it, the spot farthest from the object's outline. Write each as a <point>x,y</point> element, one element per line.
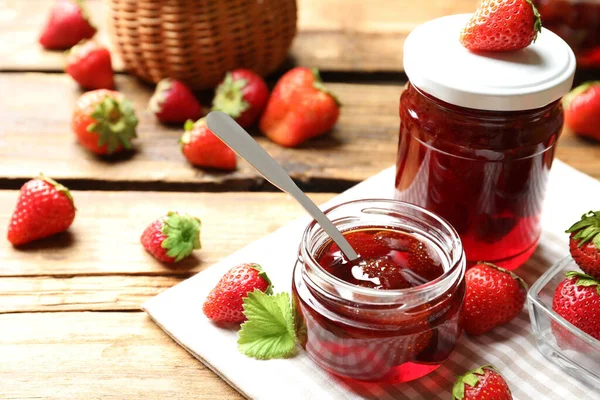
<point>243,144</point>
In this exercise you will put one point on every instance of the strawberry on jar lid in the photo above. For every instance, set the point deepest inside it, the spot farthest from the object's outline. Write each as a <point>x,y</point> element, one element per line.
<point>436,62</point>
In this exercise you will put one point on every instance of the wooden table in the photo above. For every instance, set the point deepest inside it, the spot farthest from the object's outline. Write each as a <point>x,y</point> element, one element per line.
<point>70,305</point>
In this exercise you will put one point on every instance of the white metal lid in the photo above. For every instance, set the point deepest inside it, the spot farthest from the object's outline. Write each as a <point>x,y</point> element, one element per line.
<point>436,62</point>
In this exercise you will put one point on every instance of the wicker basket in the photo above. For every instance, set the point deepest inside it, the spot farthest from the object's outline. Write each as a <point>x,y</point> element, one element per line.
<point>198,41</point>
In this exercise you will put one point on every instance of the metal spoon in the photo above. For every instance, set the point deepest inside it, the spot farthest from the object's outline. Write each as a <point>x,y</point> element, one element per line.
<point>246,147</point>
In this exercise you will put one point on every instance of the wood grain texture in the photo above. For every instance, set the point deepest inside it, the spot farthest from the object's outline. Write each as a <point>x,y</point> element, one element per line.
<point>352,35</point>
<point>90,355</point>
<point>80,293</point>
<point>35,135</point>
<point>580,153</point>
<point>104,239</point>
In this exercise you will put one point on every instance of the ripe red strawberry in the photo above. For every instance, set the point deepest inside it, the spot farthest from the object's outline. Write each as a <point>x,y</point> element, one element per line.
<point>173,237</point>
<point>577,299</point>
<point>502,25</point>
<point>104,121</point>
<point>173,102</point>
<point>45,207</point>
<point>90,65</point>
<point>494,297</point>
<point>584,243</point>
<point>225,302</point>
<point>203,148</point>
<point>68,24</point>
<point>483,383</point>
<point>582,110</point>
<point>299,108</point>
<point>242,95</point>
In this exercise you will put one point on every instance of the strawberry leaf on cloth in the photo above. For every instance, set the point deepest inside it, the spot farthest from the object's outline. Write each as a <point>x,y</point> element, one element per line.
<point>269,330</point>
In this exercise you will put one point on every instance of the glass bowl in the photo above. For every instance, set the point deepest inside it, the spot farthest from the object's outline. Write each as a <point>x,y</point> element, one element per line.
<point>558,340</point>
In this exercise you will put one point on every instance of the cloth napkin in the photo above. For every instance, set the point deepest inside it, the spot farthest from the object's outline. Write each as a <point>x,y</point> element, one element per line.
<point>511,348</point>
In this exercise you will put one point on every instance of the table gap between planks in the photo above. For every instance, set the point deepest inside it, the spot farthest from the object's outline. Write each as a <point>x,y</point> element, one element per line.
<point>69,305</point>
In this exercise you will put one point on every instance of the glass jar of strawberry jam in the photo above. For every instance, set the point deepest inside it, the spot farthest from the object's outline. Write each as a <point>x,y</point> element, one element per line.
<point>392,315</point>
<point>478,133</point>
<point>578,23</point>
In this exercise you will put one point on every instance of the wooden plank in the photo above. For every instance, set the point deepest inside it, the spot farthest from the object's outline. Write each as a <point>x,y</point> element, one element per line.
<point>35,136</point>
<point>80,293</point>
<point>580,153</point>
<point>104,239</point>
<point>358,35</point>
<point>341,35</point>
<point>98,356</point>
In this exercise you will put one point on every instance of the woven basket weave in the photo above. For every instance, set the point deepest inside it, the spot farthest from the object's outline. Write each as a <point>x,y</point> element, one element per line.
<point>198,41</point>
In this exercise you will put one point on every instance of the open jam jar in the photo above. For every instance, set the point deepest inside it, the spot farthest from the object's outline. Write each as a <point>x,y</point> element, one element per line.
<point>578,23</point>
<point>392,315</point>
<point>477,136</point>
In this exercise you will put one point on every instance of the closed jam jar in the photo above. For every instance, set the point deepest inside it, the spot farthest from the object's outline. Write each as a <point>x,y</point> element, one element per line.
<point>391,316</point>
<point>478,134</point>
<point>578,23</point>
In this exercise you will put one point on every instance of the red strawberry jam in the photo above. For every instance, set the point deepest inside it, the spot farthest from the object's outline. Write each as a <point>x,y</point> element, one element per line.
<point>483,171</point>
<point>388,259</point>
<point>578,23</point>
<point>392,315</point>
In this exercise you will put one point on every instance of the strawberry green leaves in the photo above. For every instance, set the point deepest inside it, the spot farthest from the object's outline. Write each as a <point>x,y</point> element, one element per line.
<point>115,123</point>
<point>584,280</point>
<point>183,235</point>
<point>587,229</point>
<point>269,330</point>
<point>245,294</point>
<point>537,25</point>
<point>471,378</point>
<point>263,274</point>
<point>319,85</point>
<point>229,96</point>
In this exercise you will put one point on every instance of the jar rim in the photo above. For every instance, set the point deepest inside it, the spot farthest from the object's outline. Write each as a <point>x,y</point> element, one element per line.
<point>489,115</point>
<point>448,276</point>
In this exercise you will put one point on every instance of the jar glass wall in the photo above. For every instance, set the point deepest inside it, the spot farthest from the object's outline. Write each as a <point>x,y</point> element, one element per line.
<point>371,334</point>
<point>483,171</point>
